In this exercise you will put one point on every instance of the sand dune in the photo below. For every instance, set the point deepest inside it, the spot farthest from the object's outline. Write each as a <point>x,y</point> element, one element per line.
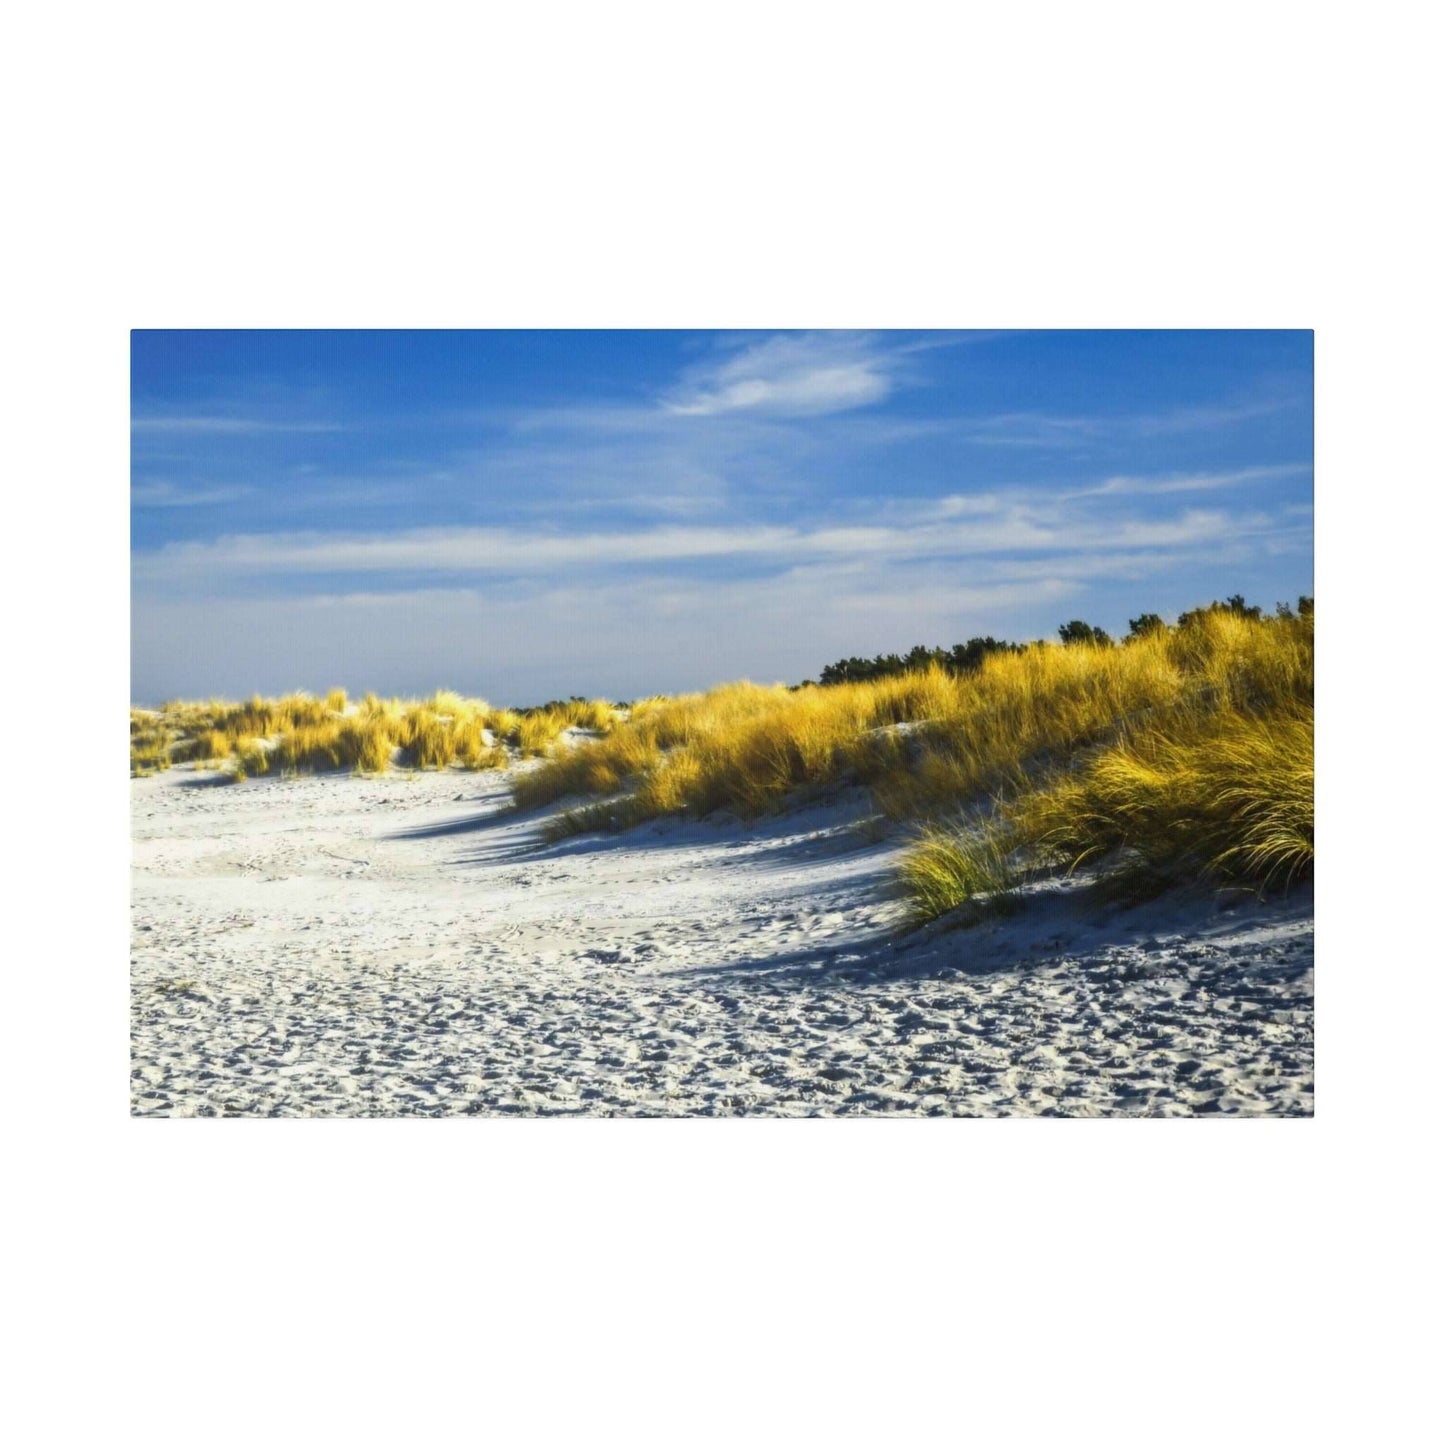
<point>405,945</point>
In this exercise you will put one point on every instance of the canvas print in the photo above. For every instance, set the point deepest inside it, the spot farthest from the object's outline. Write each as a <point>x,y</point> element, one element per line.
<point>722,724</point>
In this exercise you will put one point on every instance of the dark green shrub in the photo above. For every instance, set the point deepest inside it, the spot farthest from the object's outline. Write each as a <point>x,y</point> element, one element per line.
<point>1080,634</point>
<point>1148,623</point>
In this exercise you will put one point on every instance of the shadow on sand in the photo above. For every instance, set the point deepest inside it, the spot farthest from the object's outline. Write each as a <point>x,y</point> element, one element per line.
<point>208,780</point>
<point>1060,920</point>
<point>775,841</point>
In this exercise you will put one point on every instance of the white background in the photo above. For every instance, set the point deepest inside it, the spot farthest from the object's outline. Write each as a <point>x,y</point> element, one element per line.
<point>312,165</point>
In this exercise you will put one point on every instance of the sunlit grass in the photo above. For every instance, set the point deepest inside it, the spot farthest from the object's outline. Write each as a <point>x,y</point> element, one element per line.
<point>1185,753</point>
<point>1213,788</point>
<point>299,733</point>
<point>746,748</point>
<point>739,746</point>
<point>536,733</point>
<point>1225,797</point>
<point>151,739</point>
<point>253,760</point>
<point>964,870</point>
<point>503,723</point>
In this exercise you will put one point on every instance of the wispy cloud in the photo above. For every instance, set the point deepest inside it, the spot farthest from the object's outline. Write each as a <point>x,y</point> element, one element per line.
<point>779,378</point>
<point>167,494</point>
<point>497,551</point>
<point>630,631</point>
<point>625,639</point>
<point>806,375</point>
<point>1206,418</point>
<point>224,425</point>
<point>1191,481</point>
<point>1035,429</point>
<point>1026,429</point>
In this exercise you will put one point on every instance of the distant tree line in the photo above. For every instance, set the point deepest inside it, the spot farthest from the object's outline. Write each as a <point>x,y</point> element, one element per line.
<point>966,657</point>
<point>963,657</point>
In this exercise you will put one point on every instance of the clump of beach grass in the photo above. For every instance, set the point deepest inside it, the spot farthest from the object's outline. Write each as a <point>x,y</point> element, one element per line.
<point>299,733</point>
<point>1215,788</point>
<point>535,732</point>
<point>964,870</point>
<point>251,760</point>
<point>151,740</point>
<point>742,746</point>
<point>1227,798</point>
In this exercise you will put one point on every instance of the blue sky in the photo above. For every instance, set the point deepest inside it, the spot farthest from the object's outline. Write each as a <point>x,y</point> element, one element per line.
<point>525,515</point>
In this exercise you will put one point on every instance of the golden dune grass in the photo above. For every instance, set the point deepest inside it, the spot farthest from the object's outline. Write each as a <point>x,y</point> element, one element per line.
<point>740,746</point>
<point>299,733</point>
<point>745,747</point>
<point>1214,787</point>
<point>1198,735</point>
<point>1227,796</point>
<point>1186,752</point>
<point>950,869</point>
<point>151,741</point>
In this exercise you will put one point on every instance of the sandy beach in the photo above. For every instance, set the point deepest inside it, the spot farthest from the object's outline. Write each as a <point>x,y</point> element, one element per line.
<point>406,945</point>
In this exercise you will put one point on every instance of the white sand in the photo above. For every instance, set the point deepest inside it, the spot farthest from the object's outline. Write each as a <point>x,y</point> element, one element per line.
<point>346,946</point>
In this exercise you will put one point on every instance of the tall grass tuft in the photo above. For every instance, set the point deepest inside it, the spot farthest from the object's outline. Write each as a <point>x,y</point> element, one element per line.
<point>365,745</point>
<point>966,871</point>
<point>428,738</point>
<point>1227,798</point>
<point>537,732</point>
<point>151,739</point>
<point>252,760</point>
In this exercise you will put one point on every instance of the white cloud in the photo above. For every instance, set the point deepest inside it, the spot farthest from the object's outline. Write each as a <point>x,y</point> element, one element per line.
<point>1037,429</point>
<point>961,505</point>
<point>1208,418</point>
<point>623,626</point>
<point>167,494</point>
<point>510,551</point>
<point>224,425</point>
<point>625,638</point>
<point>1190,482</point>
<point>807,375</point>
<point>626,631</point>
